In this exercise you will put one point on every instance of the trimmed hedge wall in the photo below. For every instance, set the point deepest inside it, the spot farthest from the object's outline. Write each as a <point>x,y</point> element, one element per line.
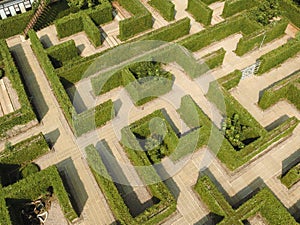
<point>62,53</point>
<point>291,11</point>
<point>32,187</point>
<point>91,30</point>
<point>200,11</point>
<point>165,7</point>
<point>232,7</point>
<point>69,25</point>
<point>101,14</point>
<point>271,32</point>
<point>291,177</point>
<point>14,25</point>
<point>264,202</point>
<point>285,89</point>
<point>215,59</point>
<point>231,80</point>
<point>151,215</point>
<point>279,55</point>
<point>208,2</point>
<point>227,154</point>
<point>218,32</point>
<point>23,115</point>
<point>139,22</point>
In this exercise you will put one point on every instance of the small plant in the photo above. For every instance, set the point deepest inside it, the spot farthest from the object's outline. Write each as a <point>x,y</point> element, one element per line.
<point>266,11</point>
<point>155,147</point>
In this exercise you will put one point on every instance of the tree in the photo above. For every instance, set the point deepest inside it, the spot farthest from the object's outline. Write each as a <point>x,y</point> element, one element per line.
<point>266,11</point>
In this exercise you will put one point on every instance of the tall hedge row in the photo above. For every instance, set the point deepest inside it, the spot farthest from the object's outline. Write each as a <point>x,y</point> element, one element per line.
<point>291,11</point>
<point>68,25</point>
<point>215,59</point>
<point>62,53</point>
<point>139,22</point>
<point>218,32</point>
<point>101,13</point>
<point>200,11</point>
<point>278,56</point>
<point>271,32</point>
<point>14,25</point>
<point>165,7</point>
<point>91,30</point>
<point>231,80</point>
<point>233,7</point>
<point>25,114</point>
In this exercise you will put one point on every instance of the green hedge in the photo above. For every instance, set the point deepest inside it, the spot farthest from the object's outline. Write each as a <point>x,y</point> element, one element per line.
<point>277,56</point>
<point>218,32</point>
<point>139,22</point>
<point>208,2</point>
<point>152,215</point>
<point>200,11</point>
<point>291,11</point>
<point>33,186</point>
<point>232,7</point>
<point>14,25</point>
<point>101,14</point>
<point>165,7</point>
<point>264,202</point>
<point>271,32</point>
<point>292,176</point>
<point>285,89</point>
<point>170,32</point>
<point>231,80</point>
<point>62,53</point>
<point>215,59</point>
<point>69,25</point>
<point>91,30</point>
<point>23,115</point>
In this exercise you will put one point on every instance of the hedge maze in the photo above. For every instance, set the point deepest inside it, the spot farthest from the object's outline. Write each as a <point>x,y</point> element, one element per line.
<point>153,139</point>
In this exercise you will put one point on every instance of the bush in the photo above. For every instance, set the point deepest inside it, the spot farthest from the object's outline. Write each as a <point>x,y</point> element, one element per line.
<point>165,7</point>
<point>170,32</point>
<point>139,22</point>
<point>101,13</point>
<point>1,73</point>
<point>91,30</point>
<point>232,7</point>
<point>278,56</point>
<point>215,59</point>
<point>231,80</point>
<point>292,176</point>
<point>69,25</point>
<point>272,31</point>
<point>218,32</point>
<point>14,25</point>
<point>200,11</point>
<point>62,53</point>
<point>20,116</point>
<point>29,169</point>
<point>291,11</point>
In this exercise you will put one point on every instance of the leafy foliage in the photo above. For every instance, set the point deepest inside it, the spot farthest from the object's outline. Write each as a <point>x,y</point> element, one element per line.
<point>200,11</point>
<point>165,7</point>
<point>292,176</point>
<point>231,80</point>
<point>29,169</point>
<point>291,11</point>
<point>266,11</point>
<point>232,7</point>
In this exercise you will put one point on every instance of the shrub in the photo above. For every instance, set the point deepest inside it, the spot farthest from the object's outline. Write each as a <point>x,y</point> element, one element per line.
<point>165,7</point>
<point>291,11</point>
<point>231,80</point>
<point>232,7</point>
<point>29,169</point>
<point>69,25</point>
<point>215,59</point>
<point>62,53</point>
<point>200,11</point>
<point>272,31</point>
<point>292,176</point>
<point>14,25</point>
<point>139,22</point>
<point>91,30</point>
<point>278,56</point>
<point>101,13</point>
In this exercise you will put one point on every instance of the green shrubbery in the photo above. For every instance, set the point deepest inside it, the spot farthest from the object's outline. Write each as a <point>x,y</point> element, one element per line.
<point>200,11</point>
<point>231,80</point>
<point>101,14</point>
<point>69,25</point>
<point>264,202</point>
<point>62,53</point>
<point>292,176</point>
<point>291,11</point>
<point>91,30</point>
<point>215,59</point>
<point>29,169</point>
<point>267,34</point>
<point>218,32</point>
<point>14,25</point>
<point>152,215</point>
<point>139,22</point>
<point>165,7</point>
<point>20,116</point>
<point>278,56</point>
<point>285,89</point>
<point>233,7</point>
<point>31,188</point>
